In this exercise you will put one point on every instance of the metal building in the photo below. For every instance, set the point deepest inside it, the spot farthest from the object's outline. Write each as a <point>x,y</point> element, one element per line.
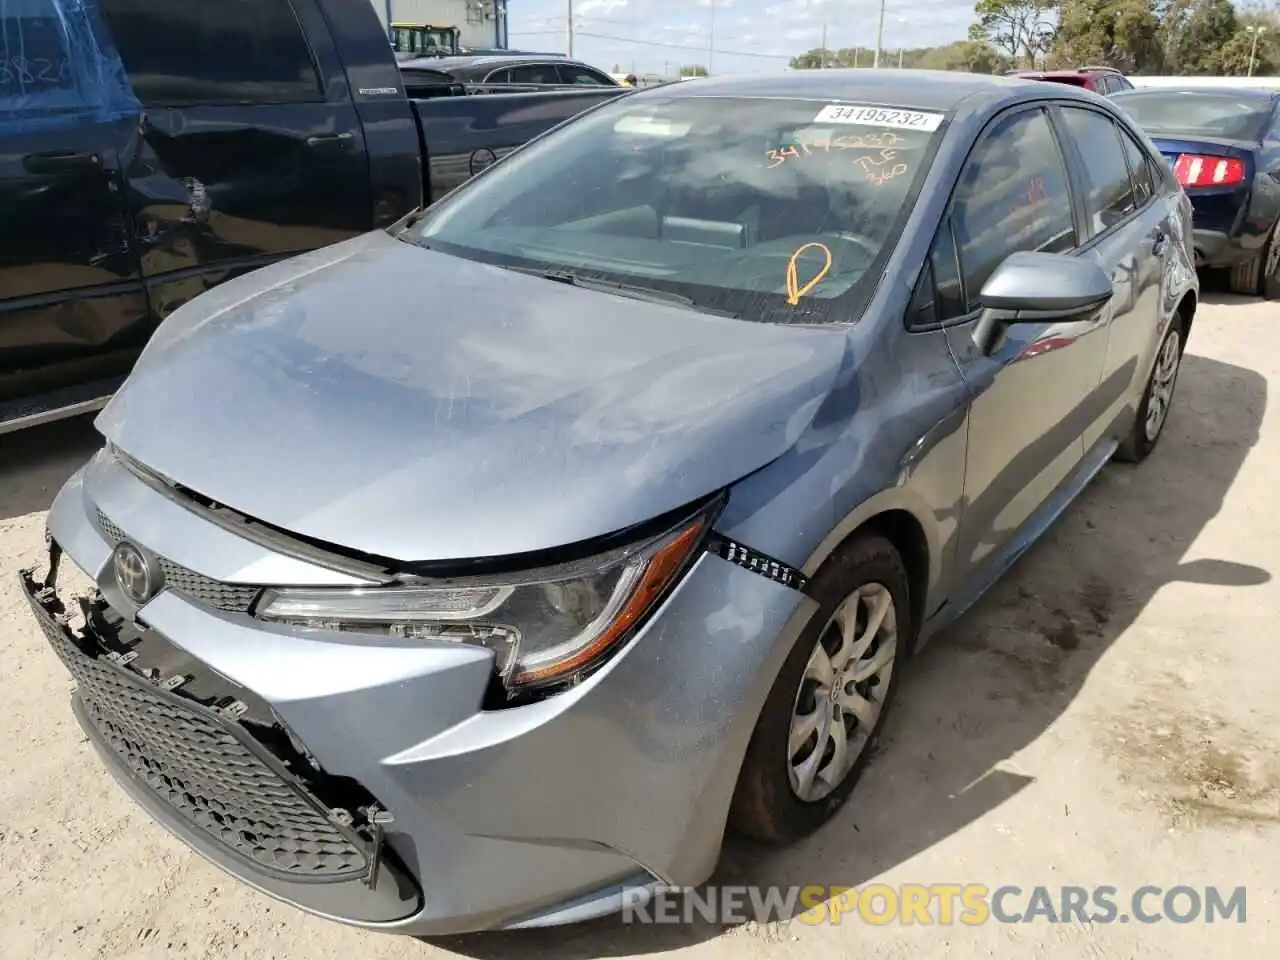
<point>481,23</point>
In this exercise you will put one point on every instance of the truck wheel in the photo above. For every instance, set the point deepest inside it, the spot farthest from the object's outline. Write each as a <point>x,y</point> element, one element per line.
<point>826,709</point>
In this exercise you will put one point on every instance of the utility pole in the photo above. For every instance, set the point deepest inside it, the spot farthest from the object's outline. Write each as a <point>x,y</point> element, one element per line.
<point>823,63</point>
<point>875,64</point>
<point>711,43</point>
<point>1253,49</point>
<point>569,28</point>
<point>899,58</point>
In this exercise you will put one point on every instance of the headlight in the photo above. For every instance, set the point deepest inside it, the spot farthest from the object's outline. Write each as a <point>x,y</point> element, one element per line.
<point>544,627</point>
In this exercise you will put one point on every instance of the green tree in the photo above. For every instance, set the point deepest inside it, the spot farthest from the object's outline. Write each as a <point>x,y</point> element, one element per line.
<point>1198,36</point>
<point>812,59</point>
<point>1124,34</point>
<point>1022,29</point>
<point>693,70</point>
<point>1258,37</point>
<point>847,57</point>
<point>981,57</point>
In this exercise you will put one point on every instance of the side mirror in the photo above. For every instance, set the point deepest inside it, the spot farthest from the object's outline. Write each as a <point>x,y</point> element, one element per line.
<point>1039,288</point>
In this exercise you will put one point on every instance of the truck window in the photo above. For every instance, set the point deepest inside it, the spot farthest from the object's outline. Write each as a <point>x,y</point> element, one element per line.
<point>228,51</point>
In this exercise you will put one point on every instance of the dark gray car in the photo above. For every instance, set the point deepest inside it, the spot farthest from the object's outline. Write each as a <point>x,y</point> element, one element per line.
<point>478,573</point>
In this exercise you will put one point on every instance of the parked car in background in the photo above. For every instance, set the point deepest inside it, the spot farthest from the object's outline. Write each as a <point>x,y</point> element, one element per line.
<point>536,70</point>
<point>535,539</point>
<point>1101,80</point>
<point>141,163</point>
<point>1224,148</point>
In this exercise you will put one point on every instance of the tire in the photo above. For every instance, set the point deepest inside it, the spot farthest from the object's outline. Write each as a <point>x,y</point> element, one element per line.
<point>1271,266</point>
<point>770,803</point>
<point>1147,429</point>
<point>1245,278</point>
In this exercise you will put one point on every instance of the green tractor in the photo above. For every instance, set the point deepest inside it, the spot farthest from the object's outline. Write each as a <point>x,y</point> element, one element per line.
<point>410,40</point>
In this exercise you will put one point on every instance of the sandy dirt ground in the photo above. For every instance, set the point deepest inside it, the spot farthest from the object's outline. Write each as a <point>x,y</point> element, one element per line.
<point>1108,715</point>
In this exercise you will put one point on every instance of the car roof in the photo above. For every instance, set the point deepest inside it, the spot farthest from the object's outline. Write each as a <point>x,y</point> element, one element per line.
<point>1081,72</point>
<point>1246,93</point>
<point>491,62</point>
<point>922,89</point>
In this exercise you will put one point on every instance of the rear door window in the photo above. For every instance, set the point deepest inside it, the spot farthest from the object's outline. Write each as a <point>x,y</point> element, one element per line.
<point>1012,196</point>
<point>1109,196</point>
<point>535,73</point>
<point>226,51</point>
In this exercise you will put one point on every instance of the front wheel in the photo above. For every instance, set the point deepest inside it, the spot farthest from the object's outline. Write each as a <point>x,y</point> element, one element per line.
<point>1153,412</point>
<point>827,706</point>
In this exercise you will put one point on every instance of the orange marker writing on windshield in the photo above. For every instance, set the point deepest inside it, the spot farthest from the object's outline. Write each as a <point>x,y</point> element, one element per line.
<point>794,290</point>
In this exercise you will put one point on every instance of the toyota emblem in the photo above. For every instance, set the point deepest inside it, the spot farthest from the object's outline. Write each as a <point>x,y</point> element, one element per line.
<point>136,575</point>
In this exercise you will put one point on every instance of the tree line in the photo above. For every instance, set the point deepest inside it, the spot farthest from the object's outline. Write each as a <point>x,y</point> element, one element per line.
<point>1151,37</point>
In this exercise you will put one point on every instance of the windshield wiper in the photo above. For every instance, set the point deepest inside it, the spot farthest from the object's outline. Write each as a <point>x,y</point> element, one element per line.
<point>631,290</point>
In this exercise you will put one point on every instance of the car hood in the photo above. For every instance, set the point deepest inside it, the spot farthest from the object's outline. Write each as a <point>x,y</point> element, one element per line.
<point>415,406</point>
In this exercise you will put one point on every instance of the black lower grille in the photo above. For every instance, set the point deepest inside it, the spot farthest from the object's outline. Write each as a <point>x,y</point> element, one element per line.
<point>208,770</point>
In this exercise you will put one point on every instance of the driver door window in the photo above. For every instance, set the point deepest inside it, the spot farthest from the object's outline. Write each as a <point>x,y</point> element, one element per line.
<point>1012,196</point>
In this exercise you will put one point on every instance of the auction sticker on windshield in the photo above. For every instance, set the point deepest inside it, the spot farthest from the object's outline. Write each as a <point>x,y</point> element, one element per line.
<point>869,116</point>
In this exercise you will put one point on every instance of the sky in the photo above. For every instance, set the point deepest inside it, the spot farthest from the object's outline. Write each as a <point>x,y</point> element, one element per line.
<point>656,36</point>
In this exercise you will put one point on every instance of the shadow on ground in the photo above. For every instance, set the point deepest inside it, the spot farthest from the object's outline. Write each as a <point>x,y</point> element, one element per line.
<point>35,463</point>
<point>994,682</point>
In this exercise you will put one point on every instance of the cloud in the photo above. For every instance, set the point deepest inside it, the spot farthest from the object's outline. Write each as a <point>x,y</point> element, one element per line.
<point>656,36</point>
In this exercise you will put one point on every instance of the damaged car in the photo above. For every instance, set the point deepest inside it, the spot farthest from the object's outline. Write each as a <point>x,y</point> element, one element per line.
<point>483,571</point>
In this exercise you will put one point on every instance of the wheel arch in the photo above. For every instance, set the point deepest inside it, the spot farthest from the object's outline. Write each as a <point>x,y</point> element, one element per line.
<point>1186,309</point>
<point>897,520</point>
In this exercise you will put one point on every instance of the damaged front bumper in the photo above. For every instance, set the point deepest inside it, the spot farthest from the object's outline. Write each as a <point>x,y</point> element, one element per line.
<point>193,764</point>
<point>363,779</point>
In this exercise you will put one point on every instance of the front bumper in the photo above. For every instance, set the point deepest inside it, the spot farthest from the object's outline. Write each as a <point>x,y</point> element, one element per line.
<point>546,813</point>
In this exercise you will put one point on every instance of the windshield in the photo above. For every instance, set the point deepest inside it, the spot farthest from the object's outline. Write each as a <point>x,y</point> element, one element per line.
<point>767,209</point>
<point>1189,113</point>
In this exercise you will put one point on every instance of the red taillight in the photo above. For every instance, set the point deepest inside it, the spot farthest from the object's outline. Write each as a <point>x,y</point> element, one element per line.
<point>1204,170</point>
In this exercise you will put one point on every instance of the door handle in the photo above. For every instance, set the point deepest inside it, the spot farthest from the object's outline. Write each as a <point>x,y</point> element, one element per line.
<point>61,162</point>
<point>330,141</point>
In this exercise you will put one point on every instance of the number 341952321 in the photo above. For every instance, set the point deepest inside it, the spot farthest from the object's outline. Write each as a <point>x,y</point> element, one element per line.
<point>875,154</point>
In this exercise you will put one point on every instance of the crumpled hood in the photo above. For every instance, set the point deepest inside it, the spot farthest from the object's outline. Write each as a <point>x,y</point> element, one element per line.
<point>416,406</point>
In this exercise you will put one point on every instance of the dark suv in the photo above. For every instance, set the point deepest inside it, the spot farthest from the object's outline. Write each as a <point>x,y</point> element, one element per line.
<point>1103,80</point>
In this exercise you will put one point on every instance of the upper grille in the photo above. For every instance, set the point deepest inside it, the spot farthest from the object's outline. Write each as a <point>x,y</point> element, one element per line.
<point>232,597</point>
<point>208,771</point>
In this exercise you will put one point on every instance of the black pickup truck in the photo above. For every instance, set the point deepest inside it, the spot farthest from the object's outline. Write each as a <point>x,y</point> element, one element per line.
<point>151,149</point>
